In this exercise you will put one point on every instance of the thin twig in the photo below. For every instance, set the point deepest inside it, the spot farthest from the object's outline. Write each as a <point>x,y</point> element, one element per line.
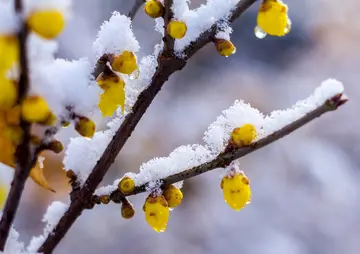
<point>23,157</point>
<point>225,158</point>
<point>166,66</point>
<point>136,6</point>
<point>168,15</point>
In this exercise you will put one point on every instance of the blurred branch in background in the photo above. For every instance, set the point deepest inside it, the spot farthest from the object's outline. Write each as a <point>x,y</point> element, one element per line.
<point>136,6</point>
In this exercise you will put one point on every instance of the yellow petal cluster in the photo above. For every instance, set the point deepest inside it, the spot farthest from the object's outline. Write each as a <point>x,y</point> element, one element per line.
<point>124,63</point>
<point>273,18</point>
<point>244,135</point>
<point>173,196</point>
<point>176,29</point>
<point>154,9</point>
<point>46,23</point>
<point>225,47</point>
<point>236,190</point>
<point>113,95</point>
<point>156,212</point>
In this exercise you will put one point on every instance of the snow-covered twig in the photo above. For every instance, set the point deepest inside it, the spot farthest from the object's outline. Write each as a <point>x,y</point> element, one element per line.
<point>23,156</point>
<point>167,65</point>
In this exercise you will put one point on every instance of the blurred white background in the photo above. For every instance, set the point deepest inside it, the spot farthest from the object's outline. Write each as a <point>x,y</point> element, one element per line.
<point>306,196</point>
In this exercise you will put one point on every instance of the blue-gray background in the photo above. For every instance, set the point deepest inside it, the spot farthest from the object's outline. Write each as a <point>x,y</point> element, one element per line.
<point>305,187</point>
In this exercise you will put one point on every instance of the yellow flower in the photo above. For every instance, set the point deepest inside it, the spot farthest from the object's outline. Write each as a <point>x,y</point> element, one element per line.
<point>243,135</point>
<point>108,80</point>
<point>176,29</point>
<point>8,92</point>
<point>3,195</point>
<point>111,98</point>
<point>225,47</point>
<point>237,192</point>
<point>124,63</point>
<point>273,18</point>
<point>85,127</point>
<point>9,52</point>
<point>156,212</point>
<point>35,109</point>
<point>126,185</point>
<point>173,196</point>
<point>154,9</point>
<point>46,23</point>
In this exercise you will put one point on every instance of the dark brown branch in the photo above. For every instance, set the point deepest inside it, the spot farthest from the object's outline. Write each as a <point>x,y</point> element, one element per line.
<point>168,15</point>
<point>136,6</point>
<point>23,157</point>
<point>225,158</point>
<point>167,65</point>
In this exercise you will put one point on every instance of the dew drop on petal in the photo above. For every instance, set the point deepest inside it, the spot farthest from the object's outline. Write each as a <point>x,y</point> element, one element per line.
<point>135,74</point>
<point>259,33</point>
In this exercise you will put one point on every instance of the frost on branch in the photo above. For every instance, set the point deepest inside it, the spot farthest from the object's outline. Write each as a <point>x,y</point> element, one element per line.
<point>52,216</point>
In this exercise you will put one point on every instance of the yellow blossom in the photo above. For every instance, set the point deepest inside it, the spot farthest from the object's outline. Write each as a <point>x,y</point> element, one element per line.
<point>47,23</point>
<point>173,196</point>
<point>8,93</point>
<point>273,18</point>
<point>176,29</point>
<point>156,212</point>
<point>243,135</point>
<point>125,62</point>
<point>126,185</point>
<point>3,195</point>
<point>112,98</point>
<point>35,109</point>
<point>237,192</point>
<point>225,47</point>
<point>85,127</point>
<point>9,52</point>
<point>154,9</point>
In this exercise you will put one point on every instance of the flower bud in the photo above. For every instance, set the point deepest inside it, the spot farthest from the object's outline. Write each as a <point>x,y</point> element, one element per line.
<point>154,9</point>
<point>56,146</point>
<point>173,196</point>
<point>236,190</point>
<point>124,63</point>
<point>176,29</point>
<point>85,127</point>
<point>127,209</point>
<point>126,185</point>
<point>243,135</point>
<point>225,47</point>
<point>8,94</point>
<point>9,52</point>
<point>35,109</point>
<point>157,212</point>
<point>105,199</point>
<point>46,23</point>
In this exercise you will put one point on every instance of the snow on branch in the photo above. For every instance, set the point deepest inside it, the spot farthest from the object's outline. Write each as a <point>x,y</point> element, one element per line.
<point>188,161</point>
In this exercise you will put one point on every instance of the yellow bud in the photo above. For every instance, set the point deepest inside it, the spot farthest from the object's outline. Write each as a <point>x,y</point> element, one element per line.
<point>157,212</point>
<point>85,127</point>
<point>71,175</point>
<point>46,23</point>
<point>243,135</point>
<point>126,185</point>
<point>35,109</point>
<point>8,94</point>
<point>65,124</point>
<point>124,63</point>
<point>273,18</point>
<point>12,115</point>
<point>9,52</point>
<point>3,195</point>
<point>105,199</point>
<point>225,47</point>
<point>96,200</point>
<point>127,209</point>
<point>236,190</point>
<point>154,9</point>
<point>173,196</point>
<point>56,146</point>
<point>35,140</point>
<point>176,29</point>
<point>50,120</point>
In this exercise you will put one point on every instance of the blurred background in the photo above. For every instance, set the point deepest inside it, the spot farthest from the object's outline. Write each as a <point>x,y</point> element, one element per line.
<point>306,191</point>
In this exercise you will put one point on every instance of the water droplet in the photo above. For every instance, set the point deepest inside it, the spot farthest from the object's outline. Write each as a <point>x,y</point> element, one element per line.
<point>135,74</point>
<point>259,33</point>
<point>288,26</point>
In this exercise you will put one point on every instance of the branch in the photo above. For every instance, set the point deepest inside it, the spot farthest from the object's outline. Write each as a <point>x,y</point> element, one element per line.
<point>168,40</point>
<point>136,6</point>
<point>23,157</point>
<point>225,158</point>
<point>167,65</point>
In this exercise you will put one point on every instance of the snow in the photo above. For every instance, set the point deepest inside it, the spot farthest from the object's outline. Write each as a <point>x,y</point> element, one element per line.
<point>13,245</point>
<point>218,134</point>
<point>52,216</point>
<point>39,5</point>
<point>115,36</point>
